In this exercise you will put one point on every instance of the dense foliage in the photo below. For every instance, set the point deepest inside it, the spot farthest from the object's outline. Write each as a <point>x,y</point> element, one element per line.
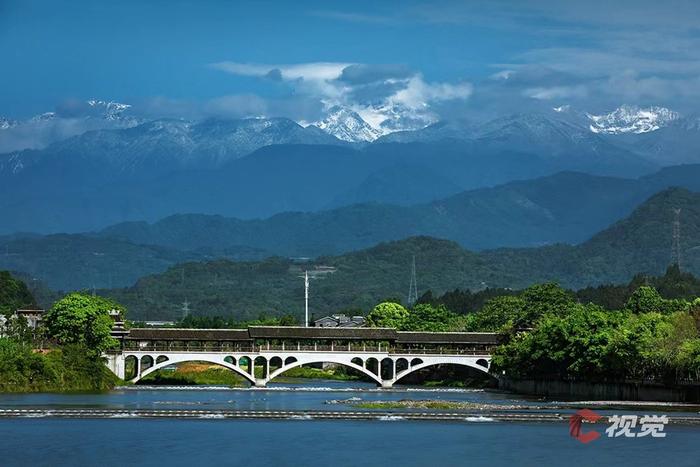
<point>14,294</point>
<point>76,365</point>
<point>222,322</point>
<point>69,368</point>
<point>549,334</point>
<point>82,319</point>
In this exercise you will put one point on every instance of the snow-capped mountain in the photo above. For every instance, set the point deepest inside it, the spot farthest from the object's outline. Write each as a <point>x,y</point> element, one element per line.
<point>6,123</point>
<point>43,129</point>
<point>170,144</point>
<point>631,119</point>
<point>372,122</point>
<point>44,117</point>
<point>398,117</point>
<point>347,125</point>
<point>110,110</point>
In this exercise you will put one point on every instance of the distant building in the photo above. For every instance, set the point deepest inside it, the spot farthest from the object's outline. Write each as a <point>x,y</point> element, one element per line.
<point>340,321</point>
<point>33,317</point>
<point>159,324</point>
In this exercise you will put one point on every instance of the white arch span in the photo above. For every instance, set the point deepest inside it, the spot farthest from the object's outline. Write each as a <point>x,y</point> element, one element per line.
<point>184,358</point>
<point>337,361</point>
<point>467,363</point>
<point>117,363</point>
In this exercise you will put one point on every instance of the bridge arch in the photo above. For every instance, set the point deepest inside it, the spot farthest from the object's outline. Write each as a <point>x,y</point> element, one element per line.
<point>346,363</point>
<point>147,362</point>
<point>173,360</point>
<point>475,365</point>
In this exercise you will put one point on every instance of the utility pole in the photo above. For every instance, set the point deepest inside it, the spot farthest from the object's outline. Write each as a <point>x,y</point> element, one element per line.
<point>306,299</point>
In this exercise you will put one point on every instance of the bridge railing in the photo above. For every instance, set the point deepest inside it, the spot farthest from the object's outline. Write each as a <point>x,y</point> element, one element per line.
<point>309,348</point>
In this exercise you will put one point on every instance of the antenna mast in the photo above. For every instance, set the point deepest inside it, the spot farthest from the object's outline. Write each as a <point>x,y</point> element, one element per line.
<point>306,299</point>
<point>413,286</point>
<point>676,252</point>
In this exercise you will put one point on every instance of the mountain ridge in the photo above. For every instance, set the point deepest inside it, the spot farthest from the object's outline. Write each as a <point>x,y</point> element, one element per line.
<point>639,243</point>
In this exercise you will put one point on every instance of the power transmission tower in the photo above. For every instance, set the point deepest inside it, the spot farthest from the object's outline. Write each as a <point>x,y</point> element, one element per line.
<point>185,309</point>
<point>413,286</point>
<point>676,252</point>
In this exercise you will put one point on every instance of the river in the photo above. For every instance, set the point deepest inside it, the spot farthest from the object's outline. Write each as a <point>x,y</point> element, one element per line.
<point>119,435</point>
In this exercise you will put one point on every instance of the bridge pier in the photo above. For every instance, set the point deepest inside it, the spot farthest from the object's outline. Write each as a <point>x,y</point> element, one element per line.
<point>260,382</point>
<point>387,384</point>
<point>117,364</point>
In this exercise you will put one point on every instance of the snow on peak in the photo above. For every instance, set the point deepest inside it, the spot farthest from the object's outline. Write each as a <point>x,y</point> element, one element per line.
<point>45,117</point>
<point>631,119</point>
<point>6,123</point>
<point>111,110</point>
<point>347,125</point>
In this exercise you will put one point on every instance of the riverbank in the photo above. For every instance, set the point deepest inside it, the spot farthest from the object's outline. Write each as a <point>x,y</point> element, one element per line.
<point>65,369</point>
<point>603,391</point>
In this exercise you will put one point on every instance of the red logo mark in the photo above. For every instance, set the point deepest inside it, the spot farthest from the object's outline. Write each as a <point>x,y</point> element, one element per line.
<point>575,422</point>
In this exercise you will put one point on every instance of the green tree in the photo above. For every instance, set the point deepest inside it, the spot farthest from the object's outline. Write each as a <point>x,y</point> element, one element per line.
<point>512,312</point>
<point>14,294</point>
<point>388,315</point>
<point>82,319</point>
<point>542,299</point>
<point>576,345</point>
<point>644,300</point>
<point>17,329</point>
<point>424,317</point>
<point>498,313</point>
<point>688,359</point>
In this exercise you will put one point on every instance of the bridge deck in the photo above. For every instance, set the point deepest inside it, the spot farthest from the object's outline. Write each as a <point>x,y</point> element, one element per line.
<point>281,338</point>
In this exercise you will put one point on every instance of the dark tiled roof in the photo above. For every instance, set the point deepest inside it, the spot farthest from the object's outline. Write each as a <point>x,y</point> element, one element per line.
<point>293,332</point>
<point>446,338</point>
<point>189,334</point>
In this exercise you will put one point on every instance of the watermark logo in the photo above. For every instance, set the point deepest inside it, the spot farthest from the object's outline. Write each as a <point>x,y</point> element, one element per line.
<point>576,421</point>
<point>627,426</point>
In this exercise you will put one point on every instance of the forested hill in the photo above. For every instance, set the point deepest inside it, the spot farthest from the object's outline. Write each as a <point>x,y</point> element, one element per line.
<point>639,244</point>
<point>567,207</point>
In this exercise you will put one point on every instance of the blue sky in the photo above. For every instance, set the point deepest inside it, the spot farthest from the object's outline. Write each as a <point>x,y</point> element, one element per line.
<point>294,58</point>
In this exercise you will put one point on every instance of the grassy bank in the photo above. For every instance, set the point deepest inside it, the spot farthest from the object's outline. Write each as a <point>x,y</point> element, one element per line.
<point>337,373</point>
<point>67,369</point>
<point>191,374</point>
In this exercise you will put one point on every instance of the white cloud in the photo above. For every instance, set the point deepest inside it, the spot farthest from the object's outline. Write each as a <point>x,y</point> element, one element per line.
<point>556,92</point>
<point>418,94</point>
<point>383,95</point>
<point>503,75</point>
<point>315,71</point>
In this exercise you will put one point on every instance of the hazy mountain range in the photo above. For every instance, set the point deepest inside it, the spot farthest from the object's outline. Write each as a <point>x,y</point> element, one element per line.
<point>640,243</point>
<point>252,168</point>
<point>563,208</point>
